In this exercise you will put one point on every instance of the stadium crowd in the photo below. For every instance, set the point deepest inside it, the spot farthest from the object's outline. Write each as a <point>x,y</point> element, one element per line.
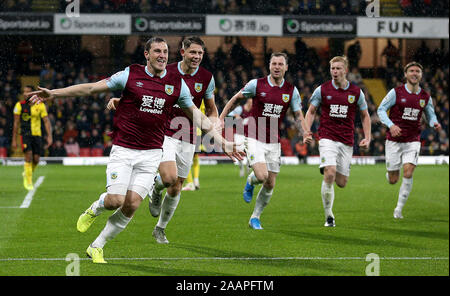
<point>304,7</point>
<point>83,124</point>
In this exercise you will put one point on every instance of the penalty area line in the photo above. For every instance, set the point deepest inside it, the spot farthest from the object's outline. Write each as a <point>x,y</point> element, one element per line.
<point>226,258</point>
<point>29,197</point>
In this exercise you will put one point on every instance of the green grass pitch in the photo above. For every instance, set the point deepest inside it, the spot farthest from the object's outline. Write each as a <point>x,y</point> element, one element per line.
<point>209,233</point>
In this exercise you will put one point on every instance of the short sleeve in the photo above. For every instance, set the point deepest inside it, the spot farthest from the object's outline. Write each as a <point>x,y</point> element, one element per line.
<point>249,90</point>
<point>118,81</point>
<point>185,99</point>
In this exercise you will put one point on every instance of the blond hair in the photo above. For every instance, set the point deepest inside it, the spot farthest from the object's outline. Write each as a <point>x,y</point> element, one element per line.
<point>343,59</point>
<point>412,64</point>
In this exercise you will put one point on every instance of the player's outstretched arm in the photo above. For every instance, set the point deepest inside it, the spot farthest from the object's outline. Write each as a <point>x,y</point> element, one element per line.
<point>212,113</point>
<point>231,105</point>
<point>201,121</point>
<point>113,103</point>
<point>78,90</point>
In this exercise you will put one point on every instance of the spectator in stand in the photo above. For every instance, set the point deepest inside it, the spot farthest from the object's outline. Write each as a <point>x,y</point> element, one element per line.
<point>4,141</point>
<point>354,53</point>
<point>355,77</point>
<point>72,147</point>
<point>391,53</point>
<point>57,149</point>
<point>83,139</point>
<point>70,132</point>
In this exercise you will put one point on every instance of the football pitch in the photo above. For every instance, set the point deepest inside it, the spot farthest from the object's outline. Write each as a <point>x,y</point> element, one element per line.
<point>209,233</point>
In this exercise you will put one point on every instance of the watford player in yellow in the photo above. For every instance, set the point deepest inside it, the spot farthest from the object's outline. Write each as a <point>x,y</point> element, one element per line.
<point>28,117</point>
<point>192,180</point>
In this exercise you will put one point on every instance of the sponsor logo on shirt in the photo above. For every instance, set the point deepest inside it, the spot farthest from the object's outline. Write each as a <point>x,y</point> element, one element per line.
<point>410,113</point>
<point>338,111</point>
<point>152,104</point>
<point>272,110</point>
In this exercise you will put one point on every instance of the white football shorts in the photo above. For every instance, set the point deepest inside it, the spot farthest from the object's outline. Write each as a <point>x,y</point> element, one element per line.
<point>268,153</point>
<point>397,154</point>
<point>179,151</point>
<point>131,169</point>
<point>333,153</point>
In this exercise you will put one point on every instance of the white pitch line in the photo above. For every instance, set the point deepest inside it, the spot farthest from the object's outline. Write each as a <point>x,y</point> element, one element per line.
<point>29,197</point>
<point>231,258</point>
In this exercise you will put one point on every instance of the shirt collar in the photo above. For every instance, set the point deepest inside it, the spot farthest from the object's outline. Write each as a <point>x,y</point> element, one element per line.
<point>345,88</point>
<point>271,84</point>
<point>182,73</point>
<point>410,92</point>
<point>151,75</point>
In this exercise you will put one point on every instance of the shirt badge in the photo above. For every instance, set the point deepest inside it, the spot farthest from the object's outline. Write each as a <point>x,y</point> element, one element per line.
<point>198,87</point>
<point>351,99</point>
<point>285,98</point>
<point>422,103</point>
<point>169,89</point>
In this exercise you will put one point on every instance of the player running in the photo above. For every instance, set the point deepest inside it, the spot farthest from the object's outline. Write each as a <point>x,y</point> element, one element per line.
<point>339,100</point>
<point>406,104</point>
<point>148,96</point>
<point>180,136</point>
<point>272,96</point>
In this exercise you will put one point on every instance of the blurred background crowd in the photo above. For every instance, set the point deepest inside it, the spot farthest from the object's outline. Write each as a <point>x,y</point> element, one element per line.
<point>81,126</point>
<point>85,122</point>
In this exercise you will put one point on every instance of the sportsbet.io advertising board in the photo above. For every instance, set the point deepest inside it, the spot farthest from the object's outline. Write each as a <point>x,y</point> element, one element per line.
<point>98,24</point>
<point>168,24</point>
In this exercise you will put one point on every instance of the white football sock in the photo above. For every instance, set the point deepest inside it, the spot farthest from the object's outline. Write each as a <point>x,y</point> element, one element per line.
<point>115,224</point>
<point>327,192</point>
<point>99,205</point>
<point>405,190</point>
<point>262,200</point>
<point>168,208</point>
<point>252,179</point>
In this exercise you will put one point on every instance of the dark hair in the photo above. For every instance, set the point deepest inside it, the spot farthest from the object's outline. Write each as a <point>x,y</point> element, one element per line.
<point>279,54</point>
<point>188,41</point>
<point>412,64</point>
<point>152,40</point>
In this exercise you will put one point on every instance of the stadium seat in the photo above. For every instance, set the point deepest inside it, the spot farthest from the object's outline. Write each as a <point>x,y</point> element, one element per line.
<point>85,152</point>
<point>3,152</point>
<point>97,152</point>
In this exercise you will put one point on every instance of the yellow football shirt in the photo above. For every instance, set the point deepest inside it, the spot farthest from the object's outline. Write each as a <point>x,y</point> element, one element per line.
<point>30,117</point>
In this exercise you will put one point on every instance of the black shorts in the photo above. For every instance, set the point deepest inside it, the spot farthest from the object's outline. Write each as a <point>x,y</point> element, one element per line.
<point>33,143</point>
